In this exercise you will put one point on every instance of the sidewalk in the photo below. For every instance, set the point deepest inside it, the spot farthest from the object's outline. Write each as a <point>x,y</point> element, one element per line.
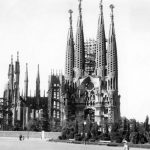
<point>17,139</point>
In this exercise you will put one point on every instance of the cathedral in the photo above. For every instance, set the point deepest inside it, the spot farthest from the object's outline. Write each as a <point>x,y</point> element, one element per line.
<point>87,90</point>
<point>91,72</point>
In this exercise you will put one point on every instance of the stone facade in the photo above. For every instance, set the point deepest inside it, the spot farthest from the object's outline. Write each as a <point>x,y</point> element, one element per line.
<point>95,75</point>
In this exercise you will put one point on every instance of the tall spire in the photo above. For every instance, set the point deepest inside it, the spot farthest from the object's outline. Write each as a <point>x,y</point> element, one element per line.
<point>16,91</point>
<point>70,18</point>
<point>11,73</point>
<point>80,23</point>
<point>17,66</point>
<point>11,87</point>
<point>17,56</point>
<point>112,15</point>
<point>112,54</point>
<point>69,52</point>
<point>26,82</point>
<point>79,47</point>
<point>10,70</point>
<point>25,109</point>
<point>101,45</point>
<point>11,59</point>
<point>80,7</point>
<point>101,6</point>
<point>38,74</point>
<point>38,85</point>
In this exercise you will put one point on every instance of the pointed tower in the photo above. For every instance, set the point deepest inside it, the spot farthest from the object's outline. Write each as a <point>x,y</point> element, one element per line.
<point>17,73</point>
<point>26,81</point>
<point>50,96</point>
<point>11,91</point>
<point>101,45</point>
<point>16,90</point>
<point>38,87</point>
<point>112,76</point>
<point>79,54</point>
<point>11,75</point>
<point>25,108</point>
<point>69,52</point>
<point>17,70</point>
<point>112,64</point>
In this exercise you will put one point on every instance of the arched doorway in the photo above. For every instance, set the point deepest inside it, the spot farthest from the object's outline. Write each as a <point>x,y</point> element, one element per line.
<point>89,114</point>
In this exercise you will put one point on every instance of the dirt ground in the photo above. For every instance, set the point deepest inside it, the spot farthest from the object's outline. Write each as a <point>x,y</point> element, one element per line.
<point>38,144</point>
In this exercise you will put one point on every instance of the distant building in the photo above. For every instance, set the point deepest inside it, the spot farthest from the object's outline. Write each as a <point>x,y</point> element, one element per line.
<point>55,111</point>
<point>20,109</point>
<point>88,90</point>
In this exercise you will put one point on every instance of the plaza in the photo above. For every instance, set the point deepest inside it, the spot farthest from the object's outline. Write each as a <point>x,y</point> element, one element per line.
<point>38,144</point>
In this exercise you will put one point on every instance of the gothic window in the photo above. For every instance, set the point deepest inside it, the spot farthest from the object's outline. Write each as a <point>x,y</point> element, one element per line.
<point>57,105</point>
<point>90,103</point>
<point>111,83</point>
<point>108,84</point>
<point>106,111</point>
<point>58,114</point>
<point>58,94</point>
<point>54,104</point>
<point>114,83</point>
<point>54,113</point>
<point>55,94</point>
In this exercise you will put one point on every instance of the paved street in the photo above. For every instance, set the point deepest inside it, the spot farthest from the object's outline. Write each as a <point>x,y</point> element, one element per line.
<point>37,144</point>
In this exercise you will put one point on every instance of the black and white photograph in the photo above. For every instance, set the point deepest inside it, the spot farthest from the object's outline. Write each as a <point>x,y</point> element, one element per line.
<point>74,74</point>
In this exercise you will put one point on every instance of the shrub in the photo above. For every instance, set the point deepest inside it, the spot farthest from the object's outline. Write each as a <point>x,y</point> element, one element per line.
<point>116,137</point>
<point>77,137</point>
<point>60,137</point>
<point>92,140</point>
<point>104,136</point>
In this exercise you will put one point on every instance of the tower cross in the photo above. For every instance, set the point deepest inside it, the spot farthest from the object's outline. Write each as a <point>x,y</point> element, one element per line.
<point>80,6</point>
<point>101,1</point>
<point>17,56</point>
<point>112,7</point>
<point>100,5</point>
<point>26,66</point>
<point>70,11</point>
<point>11,59</point>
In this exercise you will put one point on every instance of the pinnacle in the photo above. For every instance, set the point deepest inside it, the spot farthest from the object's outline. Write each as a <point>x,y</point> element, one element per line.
<point>112,7</point>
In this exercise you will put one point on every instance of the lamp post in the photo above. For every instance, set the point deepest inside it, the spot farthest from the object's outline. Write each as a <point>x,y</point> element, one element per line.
<point>85,134</point>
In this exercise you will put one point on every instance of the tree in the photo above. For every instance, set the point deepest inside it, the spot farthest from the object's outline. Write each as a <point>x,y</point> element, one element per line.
<point>126,129</point>
<point>116,134</point>
<point>133,125</point>
<point>146,124</point>
<point>34,125</point>
<point>106,128</point>
<point>6,113</point>
<point>76,127</point>
<point>87,127</point>
<point>94,130</point>
<point>125,126</point>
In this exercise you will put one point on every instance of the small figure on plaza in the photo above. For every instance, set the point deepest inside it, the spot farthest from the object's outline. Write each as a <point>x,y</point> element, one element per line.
<point>20,137</point>
<point>126,145</point>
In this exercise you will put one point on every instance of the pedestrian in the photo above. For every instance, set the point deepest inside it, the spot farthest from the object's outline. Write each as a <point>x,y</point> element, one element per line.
<point>126,145</point>
<point>20,137</point>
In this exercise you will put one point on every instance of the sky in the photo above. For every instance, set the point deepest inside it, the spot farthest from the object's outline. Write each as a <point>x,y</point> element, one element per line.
<point>38,30</point>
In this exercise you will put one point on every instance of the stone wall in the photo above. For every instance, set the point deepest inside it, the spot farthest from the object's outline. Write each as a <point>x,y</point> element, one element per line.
<point>30,134</point>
